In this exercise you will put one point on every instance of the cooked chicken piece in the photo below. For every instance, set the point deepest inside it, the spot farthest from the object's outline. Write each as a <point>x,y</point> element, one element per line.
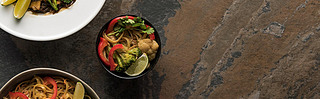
<point>58,2</point>
<point>35,5</point>
<point>148,46</point>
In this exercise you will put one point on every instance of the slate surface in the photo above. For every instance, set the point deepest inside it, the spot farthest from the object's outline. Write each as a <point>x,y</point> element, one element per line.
<point>211,49</point>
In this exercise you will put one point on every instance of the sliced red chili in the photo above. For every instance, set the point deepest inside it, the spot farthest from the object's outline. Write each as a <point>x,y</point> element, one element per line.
<point>15,95</point>
<point>113,65</point>
<point>102,44</point>
<point>49,80</point>
<point>114,21</point>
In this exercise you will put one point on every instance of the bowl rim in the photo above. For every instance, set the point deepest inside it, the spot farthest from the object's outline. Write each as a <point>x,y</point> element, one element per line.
<point>48,69</point>
<point>152,64</point>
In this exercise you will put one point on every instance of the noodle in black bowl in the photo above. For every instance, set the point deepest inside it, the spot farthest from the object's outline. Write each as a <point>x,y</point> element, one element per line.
<point>43,72</point>
<point>135,42</point>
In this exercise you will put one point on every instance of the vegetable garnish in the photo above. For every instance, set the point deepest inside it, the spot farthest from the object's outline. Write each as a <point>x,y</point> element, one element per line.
<point>114,21</point>
<point>49,80</point>
<point>151,32</point>
<point>102,45</point>
<point>128,23</point>
<point>66,1</point>
<point>110,57</point>
<point>21,8</point>
<point>139,66</point>
<point>53,4</point>
<point>7,2</point>
<point>79,91</point>
<point>15,95</point>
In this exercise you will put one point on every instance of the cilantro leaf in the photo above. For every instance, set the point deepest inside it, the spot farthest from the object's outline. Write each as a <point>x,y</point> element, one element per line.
<point>118,29</point>
<point>138,20</point>
<point>130,21</point>
<point>121,24</point>
<point>121,30</point>
<point>143,27</point>
<point>66,1</point>
<point>148,31</point>
<point>137,24</point>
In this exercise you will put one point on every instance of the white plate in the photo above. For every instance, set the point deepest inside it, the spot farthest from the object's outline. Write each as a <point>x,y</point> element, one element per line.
<point>50,27</point>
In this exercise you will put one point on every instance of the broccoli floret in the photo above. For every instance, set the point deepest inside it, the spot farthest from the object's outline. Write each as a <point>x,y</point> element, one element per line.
<point>135,51</point>
<point>124,61</point>
<point>121,65</point>
<point>120,69</point>
<point>128,59</point>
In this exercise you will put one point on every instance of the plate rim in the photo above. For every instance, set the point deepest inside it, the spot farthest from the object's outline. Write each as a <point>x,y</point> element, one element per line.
<point>58,36</point>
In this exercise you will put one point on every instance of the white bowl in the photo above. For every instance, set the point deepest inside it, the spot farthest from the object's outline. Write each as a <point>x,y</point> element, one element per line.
<point>28,74</point>
<point>50,27</point>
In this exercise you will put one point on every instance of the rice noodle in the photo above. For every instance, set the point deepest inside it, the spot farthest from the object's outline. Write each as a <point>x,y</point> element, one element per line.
<point>112,41</point>
<point>36,89</point>
<point>128,41</point>
<point>137,33</point>
<point>144,36</point>
<point>132,47</point>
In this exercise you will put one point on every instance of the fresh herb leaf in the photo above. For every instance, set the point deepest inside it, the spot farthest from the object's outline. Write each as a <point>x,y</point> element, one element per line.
<point>118,29</point>
<point>112,33</point>
<point>130,21</point>
<point>121,30</point>
<point>120,23</point>
<point>137,24</point>
<point>148,31</point>
<point>66,1</point>
<point>138,20</point>
<point>117,34</point>
<point>143,27</point>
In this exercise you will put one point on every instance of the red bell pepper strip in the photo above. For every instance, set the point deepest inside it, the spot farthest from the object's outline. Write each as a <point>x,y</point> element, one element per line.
<point>114,21</point>
<point>152,37</point>
<point>15,95</point>
<point>49,80</point>
<point>110,57</point>
<point>102,44</point>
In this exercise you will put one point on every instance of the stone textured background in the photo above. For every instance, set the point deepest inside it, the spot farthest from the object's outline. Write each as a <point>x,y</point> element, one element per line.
<point>211,49</point>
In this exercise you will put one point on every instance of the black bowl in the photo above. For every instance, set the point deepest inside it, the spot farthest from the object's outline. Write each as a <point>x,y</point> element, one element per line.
<point>123,75</point>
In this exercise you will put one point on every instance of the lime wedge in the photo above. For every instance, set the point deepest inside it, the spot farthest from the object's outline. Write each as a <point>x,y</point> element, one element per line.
<point>7,2</point>
<point>139,66</point>
<point>78,91</point>
<point>21,8</point>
